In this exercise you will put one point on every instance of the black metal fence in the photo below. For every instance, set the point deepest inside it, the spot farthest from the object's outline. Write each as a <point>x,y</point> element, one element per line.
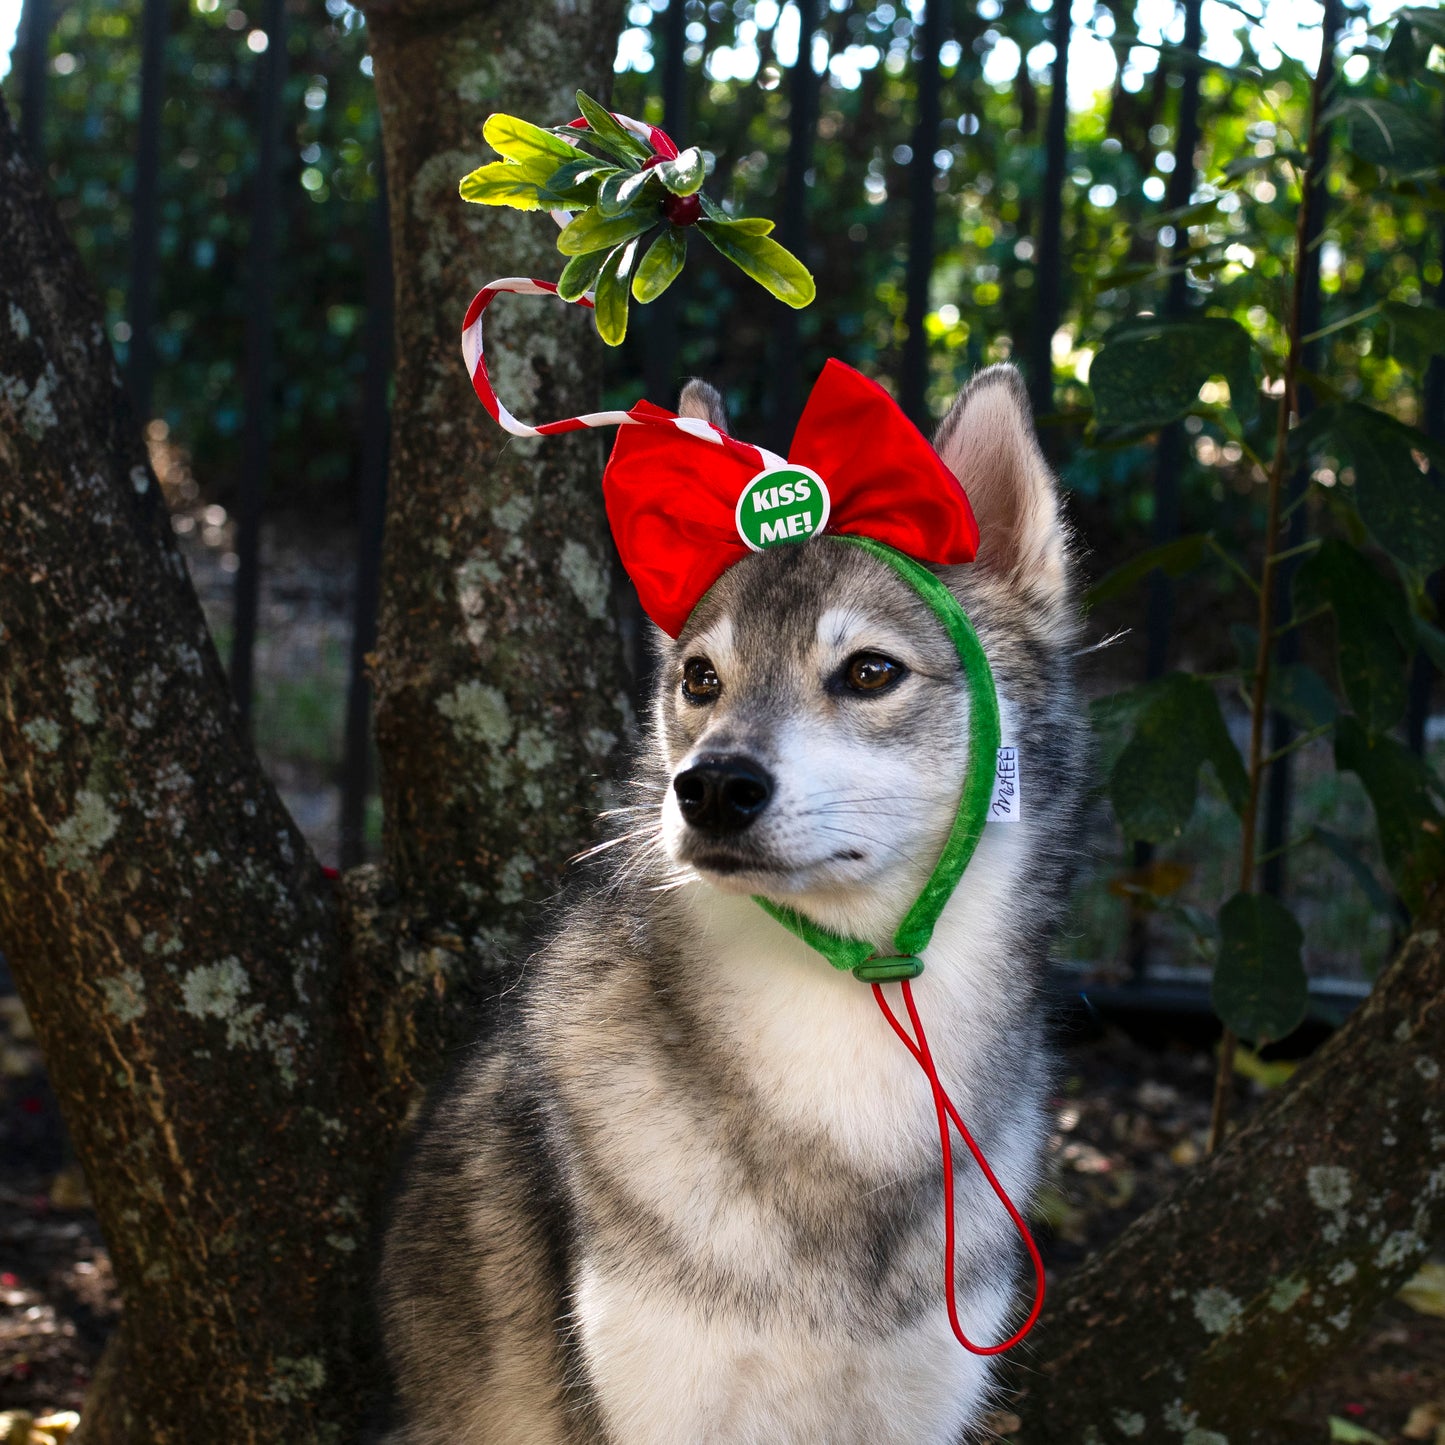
<point>676,81</point>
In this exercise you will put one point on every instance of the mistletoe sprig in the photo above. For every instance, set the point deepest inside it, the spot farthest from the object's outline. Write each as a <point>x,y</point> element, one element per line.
<point>619,198</point>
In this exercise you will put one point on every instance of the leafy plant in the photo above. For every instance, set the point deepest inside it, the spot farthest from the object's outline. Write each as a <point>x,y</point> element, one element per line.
<point>614,200</point>
<point>1368,509</point>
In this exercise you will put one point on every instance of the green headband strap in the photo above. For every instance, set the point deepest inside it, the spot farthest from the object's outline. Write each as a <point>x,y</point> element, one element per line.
<point>864,960</point>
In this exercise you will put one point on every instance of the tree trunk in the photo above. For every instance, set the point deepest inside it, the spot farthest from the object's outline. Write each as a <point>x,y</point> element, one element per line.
<point>235,1042</point>
<point>1215,1308</point>
<point>167,926</point>
<point>500,690</point>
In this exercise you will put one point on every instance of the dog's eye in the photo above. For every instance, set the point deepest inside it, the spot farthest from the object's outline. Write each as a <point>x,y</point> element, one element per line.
<point>872,672</point>
<point>699,681</point>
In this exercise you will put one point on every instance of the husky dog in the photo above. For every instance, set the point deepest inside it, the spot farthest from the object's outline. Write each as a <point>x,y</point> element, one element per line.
<point>691,1189</point>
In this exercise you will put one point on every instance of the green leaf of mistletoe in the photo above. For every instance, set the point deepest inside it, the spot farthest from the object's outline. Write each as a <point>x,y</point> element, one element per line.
<point>610,297</point>
<point>769,264</point>
<point>661,265</point>
<point>685,175</point>
<point>580,275</point>
<point>592,231</point>
<point>505,183</point>
<point>520,140</point>
<point>608,134</point>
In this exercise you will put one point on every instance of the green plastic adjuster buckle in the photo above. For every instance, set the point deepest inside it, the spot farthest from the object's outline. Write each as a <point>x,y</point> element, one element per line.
<point>888,967</point>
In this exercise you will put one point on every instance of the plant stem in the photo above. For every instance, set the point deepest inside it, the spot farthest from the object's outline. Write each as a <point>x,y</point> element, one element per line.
<point>1264,656</point>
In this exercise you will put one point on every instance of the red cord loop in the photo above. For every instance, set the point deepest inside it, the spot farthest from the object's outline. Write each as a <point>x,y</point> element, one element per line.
<point>946,1110</point>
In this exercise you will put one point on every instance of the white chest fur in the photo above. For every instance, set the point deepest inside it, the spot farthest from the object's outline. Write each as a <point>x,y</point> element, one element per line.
<point>669,1366</point>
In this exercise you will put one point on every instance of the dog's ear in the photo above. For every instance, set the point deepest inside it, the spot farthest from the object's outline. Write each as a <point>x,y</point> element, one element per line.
<point>987,441</point>
<point>703,402</point>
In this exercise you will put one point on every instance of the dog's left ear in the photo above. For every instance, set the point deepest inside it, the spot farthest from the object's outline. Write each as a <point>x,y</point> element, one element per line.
<point>987,441</point>
<point>703,402</point>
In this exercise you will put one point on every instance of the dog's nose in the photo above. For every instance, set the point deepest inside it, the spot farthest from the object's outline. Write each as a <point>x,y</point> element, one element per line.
<point>722,795</point>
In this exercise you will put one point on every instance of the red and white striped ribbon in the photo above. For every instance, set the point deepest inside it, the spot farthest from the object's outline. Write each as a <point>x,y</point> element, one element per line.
<point>473,354</point>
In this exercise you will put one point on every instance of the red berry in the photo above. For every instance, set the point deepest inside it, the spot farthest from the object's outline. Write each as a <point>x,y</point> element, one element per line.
<point>682,210</point>
<point>651,161</point>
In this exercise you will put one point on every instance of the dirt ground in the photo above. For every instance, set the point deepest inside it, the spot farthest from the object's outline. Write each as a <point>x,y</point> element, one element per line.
<point>1129,1126</point>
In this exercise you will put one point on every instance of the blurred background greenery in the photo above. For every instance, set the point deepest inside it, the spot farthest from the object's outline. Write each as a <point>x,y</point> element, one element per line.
<point>1382,242</point>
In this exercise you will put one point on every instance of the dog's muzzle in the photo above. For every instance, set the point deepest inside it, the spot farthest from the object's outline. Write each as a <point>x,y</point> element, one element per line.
<point>722,795</point>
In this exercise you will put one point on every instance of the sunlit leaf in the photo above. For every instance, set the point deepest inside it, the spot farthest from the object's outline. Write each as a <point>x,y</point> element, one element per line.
<point>1403,791</point>
<point>611,295</point>
<point>769,264</point>
<point>1259,986</point>
<point>592,231</point>
<point>685,175</point>
<point>503,183</point>
<point>519,140</point>
<point>661,265</point>
<point>621,189</point>
<point>1373,630</point>
<point>1424,1292</point>
<point>1346,1432</point>
<point>1149,372</point>
<point>580,275</point>
<point>608,134</point>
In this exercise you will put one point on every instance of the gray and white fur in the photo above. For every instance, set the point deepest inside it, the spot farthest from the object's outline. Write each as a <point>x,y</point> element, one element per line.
<point>690,1191</point>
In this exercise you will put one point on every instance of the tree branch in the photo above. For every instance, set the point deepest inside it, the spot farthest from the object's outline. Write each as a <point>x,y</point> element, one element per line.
<point>1237,1290</point>
<point>169,931</point>
<point>500,686</point>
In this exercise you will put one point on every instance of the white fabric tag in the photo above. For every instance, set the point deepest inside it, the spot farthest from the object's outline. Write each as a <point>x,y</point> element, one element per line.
<point>1007,803</point>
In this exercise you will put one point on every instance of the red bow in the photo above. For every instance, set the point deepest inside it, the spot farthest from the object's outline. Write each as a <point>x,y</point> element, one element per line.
<point>674,500</point>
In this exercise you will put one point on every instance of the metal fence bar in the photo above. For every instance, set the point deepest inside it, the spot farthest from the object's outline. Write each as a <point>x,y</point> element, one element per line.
<point>660,361</point>
<point>32,54</point>
<point>1049,266</point>
<point>804,86</point>
<point>145,210</point>
<point>260,343</point>
<point>1169,449</point>
<point>375,439</point>
<point>1169,455</point>
<point>923,207</point>
<point>1422,672</point>
<point>1280,785</point>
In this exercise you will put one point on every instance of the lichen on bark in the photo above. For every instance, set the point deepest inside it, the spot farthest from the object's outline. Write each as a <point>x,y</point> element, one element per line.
<point>501,692</point>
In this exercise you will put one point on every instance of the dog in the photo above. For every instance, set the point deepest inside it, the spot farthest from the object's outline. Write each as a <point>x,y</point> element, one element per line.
<point>690,1189</point>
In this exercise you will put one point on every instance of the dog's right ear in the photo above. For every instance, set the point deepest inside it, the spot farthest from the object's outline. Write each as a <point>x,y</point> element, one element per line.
<point>987,441</point>
<point>703,402</point>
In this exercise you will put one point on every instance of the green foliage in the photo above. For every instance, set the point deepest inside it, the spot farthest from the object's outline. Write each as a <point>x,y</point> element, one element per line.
<point>1149,372</point>
<point>1259,979</point>
<point>1405,794</point>
<point>1401,504</point>
<point>329,186</point>
<point>1176,726</point>
<point>1369,482</point>
<point>613,206</point>
<point>1373,635</point>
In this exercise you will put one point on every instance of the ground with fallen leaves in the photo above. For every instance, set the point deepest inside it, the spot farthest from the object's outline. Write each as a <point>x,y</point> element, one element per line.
<point>1130,1123</point>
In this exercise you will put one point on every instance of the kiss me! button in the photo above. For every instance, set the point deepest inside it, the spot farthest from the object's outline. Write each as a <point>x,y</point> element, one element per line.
<point>783,504</point>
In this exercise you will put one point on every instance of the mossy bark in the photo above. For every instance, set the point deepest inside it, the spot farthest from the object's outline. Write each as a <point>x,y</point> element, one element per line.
<point>236,1042</point>
<point>1210,1312</point>
<point>172,937</point>
<point>501,694</point>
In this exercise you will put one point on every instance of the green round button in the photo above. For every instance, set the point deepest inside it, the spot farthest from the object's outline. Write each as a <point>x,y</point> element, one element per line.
<point>783,504</point>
